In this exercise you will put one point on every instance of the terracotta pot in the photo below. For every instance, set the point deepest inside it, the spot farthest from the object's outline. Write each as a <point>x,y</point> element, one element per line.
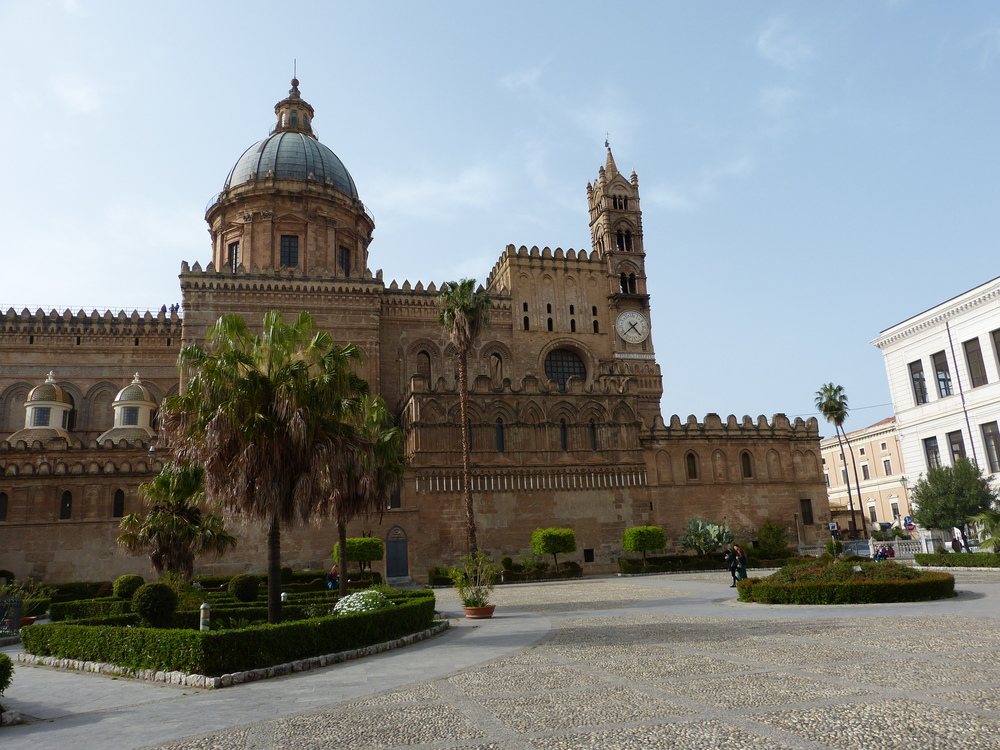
<point>28,621</point>
<point>479,613</point>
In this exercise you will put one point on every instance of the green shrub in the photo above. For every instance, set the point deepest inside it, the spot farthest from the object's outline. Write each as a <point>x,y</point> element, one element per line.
<point>772,539</point>
<point>439,576</point>
<point>218,652</point>
<point>959,559</point>
<point>6,672</point>
<point>35,607</point>
<point>844,583</point>
<point>362,550</point>
<point>125,586</point>
<point>287,573</point>
<point>155,603</point>
<point>78,610</point>
<point>507,563</point>
<point>369,600</point>
<point>244,588</point>
<point>834,547</point>
<point>67,592</point>
<point>553,542</point>
<point>642,539</point>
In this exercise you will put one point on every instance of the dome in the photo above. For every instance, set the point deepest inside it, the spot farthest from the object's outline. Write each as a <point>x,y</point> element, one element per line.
<point>292,156</point>
<point>292,151</point>
<point>134,391</point>
<point>49,391</point>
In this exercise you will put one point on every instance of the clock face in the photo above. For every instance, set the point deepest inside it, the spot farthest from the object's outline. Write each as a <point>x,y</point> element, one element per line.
<point>632,326</point>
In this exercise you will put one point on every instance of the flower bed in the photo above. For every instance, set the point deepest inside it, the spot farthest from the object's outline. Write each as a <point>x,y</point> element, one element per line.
<point>847,583</point>
<point>215,653</point>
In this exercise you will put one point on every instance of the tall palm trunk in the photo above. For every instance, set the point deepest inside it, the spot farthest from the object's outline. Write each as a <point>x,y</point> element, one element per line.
<point>857,484</point>
<point>342,562</point>
<point>847,478</point>
<point>463,386</point>
<point>274,572</point>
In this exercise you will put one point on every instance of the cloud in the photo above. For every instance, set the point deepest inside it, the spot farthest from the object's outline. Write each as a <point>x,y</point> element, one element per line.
<point>437,197</point>
<point>523,79</point>
<point>776,101</point>
<point>778,45</point>
<point>76,93</point>
<point>988,42</point>
<point>685,199</point>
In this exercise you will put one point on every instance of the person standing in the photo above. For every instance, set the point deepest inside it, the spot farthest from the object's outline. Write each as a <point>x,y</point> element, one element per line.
<point>741,562</point>
<point>733,563</point>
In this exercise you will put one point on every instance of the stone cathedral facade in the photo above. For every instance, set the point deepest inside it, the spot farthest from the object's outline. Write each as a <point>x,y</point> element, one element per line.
<point>565,389</point>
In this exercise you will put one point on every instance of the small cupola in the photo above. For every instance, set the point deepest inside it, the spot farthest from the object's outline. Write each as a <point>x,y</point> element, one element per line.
<point>46,413</point>
<point>134,409</point>
<point>294,113</point>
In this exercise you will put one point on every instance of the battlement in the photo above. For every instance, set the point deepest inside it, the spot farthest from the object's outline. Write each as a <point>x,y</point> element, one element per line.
<point>713,428</point>
<point>512,253</point>
<point>81,323</point>
<point>324,274</point>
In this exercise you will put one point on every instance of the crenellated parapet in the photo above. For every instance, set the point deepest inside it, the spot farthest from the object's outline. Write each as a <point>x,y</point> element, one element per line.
<point>713,428</point>
<point>498,281</point>
<point>271,279</point>
<point>108,323</point>
<point>59,457</point>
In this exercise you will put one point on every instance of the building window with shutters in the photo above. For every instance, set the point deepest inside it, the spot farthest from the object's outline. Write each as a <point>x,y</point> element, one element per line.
<point>942,374</point>
<point>974,360</point>
<point>917,380</point>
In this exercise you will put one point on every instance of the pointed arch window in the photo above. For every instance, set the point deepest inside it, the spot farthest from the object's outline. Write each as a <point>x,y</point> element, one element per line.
<point>746,463</point>
<point>501,445</point>
<point>496,368</point>
<point>691,461</point>
<point>620,240</point>
<point>66,506</point>
<point>631,283</point>
<point>550,324</point>
<point>526,326</point>
<point>118,504</point>
<point>563,435</point>
<point>624,283</point>
<point>424,365</point>
<point>593,435</point>
<point>563,364</point>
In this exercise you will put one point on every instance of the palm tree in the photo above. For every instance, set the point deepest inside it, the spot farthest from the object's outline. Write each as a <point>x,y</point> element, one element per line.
<point>174,531</point>
<point>270,418</point>
<point>375,475</point>
<point>463,314</point>
<point>832,404</point>
<point>989,530</point>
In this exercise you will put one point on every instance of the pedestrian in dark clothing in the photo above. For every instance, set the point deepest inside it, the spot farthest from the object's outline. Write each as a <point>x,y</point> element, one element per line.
<point>733,563</point>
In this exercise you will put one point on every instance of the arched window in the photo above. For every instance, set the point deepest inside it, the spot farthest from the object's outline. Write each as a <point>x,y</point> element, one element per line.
<point>593,435</point>
<point>496,368</point>
<point>597,327</point>
<point>295,119</point>
<point>563,435</point>
<point>691,460</point>
<point>624,283</point>
<point>572,326</point>
<point>631,283</point>
<point>3,506</point>
<point>747,463</point>
<point>66,506</point>
<point>499,436</point>
<point>526,322</point>
<point>424,365</point>
<point>550,324</point>
<point>620,240</point>
<point>628,242</point>
<point>118,505</point>
<point>563,364</point>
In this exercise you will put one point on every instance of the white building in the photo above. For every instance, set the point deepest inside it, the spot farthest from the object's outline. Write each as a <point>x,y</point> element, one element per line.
<point>944,376</point>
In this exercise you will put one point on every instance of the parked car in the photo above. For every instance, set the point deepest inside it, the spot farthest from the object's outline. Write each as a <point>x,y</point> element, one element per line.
<point>857,547</point>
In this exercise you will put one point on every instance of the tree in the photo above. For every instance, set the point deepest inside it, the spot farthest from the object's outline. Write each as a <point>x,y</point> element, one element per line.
<point>643,538</point>
<point>271,418</point>
<point>174,531</point>
<point>989,530</point>
<point>552,542</point>
<point>772,539</point>
<point>360,549</point>
<point>373,477</point>
<point>463,314</point>
<point>949,496</point>
<point>832,404</point>
<point>705,536</point>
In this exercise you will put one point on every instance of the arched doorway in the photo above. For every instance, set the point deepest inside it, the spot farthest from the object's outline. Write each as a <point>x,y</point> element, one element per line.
<point>396,553</point>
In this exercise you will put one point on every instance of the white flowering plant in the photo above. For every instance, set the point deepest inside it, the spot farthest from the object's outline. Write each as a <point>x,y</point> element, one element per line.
<point>369,600</point>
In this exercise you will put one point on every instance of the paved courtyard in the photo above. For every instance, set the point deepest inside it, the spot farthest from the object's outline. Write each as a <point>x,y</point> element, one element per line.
<point>666,661</point>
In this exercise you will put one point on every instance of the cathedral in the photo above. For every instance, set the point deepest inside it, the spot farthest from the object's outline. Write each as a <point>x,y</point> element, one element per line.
<point>565,390</point>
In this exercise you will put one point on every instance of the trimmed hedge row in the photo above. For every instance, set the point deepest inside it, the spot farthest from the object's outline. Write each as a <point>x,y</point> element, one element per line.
<point>680,563</point>
<point>929,586</point>
<point>78,610</point>
<point>959,559</point>
<point>219,652</point>
<point>566,570</point>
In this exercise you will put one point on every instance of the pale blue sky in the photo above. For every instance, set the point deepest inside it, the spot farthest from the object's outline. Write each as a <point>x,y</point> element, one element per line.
<point>810,173</point>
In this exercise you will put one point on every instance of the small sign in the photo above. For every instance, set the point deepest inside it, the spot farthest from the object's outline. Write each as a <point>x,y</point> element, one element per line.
<point>907,521</point>
<point>910,526</point>
<point>834,526</point>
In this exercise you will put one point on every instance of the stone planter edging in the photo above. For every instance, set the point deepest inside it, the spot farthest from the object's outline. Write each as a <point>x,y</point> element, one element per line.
<point>185,679</point>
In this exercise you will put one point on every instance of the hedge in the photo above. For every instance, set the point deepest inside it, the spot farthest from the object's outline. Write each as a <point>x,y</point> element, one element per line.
<point>929,586</point>
<point>959,559</point>
<point>67,592</point>
<point>6,672</point>
<point>78,610</point>
<point>680,563</point>
<point>219,652</point>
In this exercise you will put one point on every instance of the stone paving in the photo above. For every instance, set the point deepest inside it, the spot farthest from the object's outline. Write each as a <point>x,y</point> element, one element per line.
<point>657,662</point>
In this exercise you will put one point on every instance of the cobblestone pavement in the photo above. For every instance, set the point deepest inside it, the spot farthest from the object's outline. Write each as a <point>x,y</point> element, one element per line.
<point>674,662</point>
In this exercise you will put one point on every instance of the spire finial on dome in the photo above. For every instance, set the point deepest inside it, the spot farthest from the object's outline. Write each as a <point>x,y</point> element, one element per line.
<point>294,113</point>
<point>51,377</point>
<point>136,379</point>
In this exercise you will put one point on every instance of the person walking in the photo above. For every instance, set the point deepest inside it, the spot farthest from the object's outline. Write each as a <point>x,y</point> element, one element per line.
<point>733,563</point>
<point>741,562</point>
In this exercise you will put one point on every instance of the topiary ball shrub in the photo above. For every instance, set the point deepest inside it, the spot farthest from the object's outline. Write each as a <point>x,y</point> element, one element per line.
<point>244,588</point>
<point>6,672</point>
<point>287,574</point>
<point>155,603</point>
<point>125,586</point>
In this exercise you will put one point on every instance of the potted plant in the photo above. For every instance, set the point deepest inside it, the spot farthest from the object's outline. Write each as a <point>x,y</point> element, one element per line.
<point>474,577</point>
